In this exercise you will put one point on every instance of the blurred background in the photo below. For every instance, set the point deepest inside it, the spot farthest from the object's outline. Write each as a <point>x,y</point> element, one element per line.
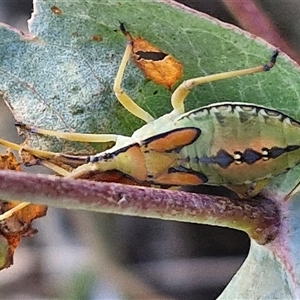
<point>80,255</point>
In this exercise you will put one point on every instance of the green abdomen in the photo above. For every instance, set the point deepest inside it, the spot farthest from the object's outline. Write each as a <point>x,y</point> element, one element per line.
<point>240,143</point>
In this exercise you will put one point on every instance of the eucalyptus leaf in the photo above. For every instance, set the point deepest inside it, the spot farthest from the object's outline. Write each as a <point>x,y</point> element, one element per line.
<point>60,76</point>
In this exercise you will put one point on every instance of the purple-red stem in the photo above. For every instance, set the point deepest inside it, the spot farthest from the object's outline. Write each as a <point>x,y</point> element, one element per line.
<point>259,216</point>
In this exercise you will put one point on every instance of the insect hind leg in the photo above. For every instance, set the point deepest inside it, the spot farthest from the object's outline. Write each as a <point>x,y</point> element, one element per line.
<point>180,94</point>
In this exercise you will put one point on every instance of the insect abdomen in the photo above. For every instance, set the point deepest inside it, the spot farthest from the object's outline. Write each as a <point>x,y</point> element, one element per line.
<point>240,143</point>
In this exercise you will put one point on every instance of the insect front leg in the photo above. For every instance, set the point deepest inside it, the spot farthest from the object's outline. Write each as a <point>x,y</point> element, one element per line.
<point>184,89</point>
<point>47,155</point>
<point>123,98</point>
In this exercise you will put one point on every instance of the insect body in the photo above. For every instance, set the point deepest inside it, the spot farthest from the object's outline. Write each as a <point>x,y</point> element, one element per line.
<point>233,144</point>
<point>237,145</point>
<point>240,144</point>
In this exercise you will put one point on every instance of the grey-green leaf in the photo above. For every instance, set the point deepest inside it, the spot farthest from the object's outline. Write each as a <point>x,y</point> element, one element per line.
<point>60,77</point>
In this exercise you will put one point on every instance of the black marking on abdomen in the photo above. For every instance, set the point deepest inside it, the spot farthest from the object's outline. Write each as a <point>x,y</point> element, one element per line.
<point>223,159</point>
<point>292,148</point>
<point>275,152</point>
<point>252,109</point>
<point>220,118</point>
<point>249,156</point>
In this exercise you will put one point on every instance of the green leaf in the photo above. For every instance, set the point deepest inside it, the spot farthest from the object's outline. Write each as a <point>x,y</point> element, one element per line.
<point>58,77</point>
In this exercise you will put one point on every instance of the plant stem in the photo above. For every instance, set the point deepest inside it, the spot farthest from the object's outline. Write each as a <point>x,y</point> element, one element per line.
<point>259,216</point>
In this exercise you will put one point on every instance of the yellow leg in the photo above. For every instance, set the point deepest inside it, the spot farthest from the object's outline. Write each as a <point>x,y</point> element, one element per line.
<point>10,212</point>
<point>184,89</point>
<point>35,152</point>
<point>123,98</point>
<point>71,136</point>
<point>49,165</point>
<point>58,170</point>
<point>294,191</point>
<point>59,157</point>
<point>21,205</point>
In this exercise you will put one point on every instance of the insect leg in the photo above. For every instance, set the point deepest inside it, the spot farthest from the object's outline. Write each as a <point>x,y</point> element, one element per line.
<point>184,89</point>
<point>56,169</point>
<point>123,98</point>
<point>10,212</point>
<point>71,136</point>
<point>21,205</point>
<point>45,163</point>
<point>294,191</point>
<point>249,190</point>
<point>53,156</point>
